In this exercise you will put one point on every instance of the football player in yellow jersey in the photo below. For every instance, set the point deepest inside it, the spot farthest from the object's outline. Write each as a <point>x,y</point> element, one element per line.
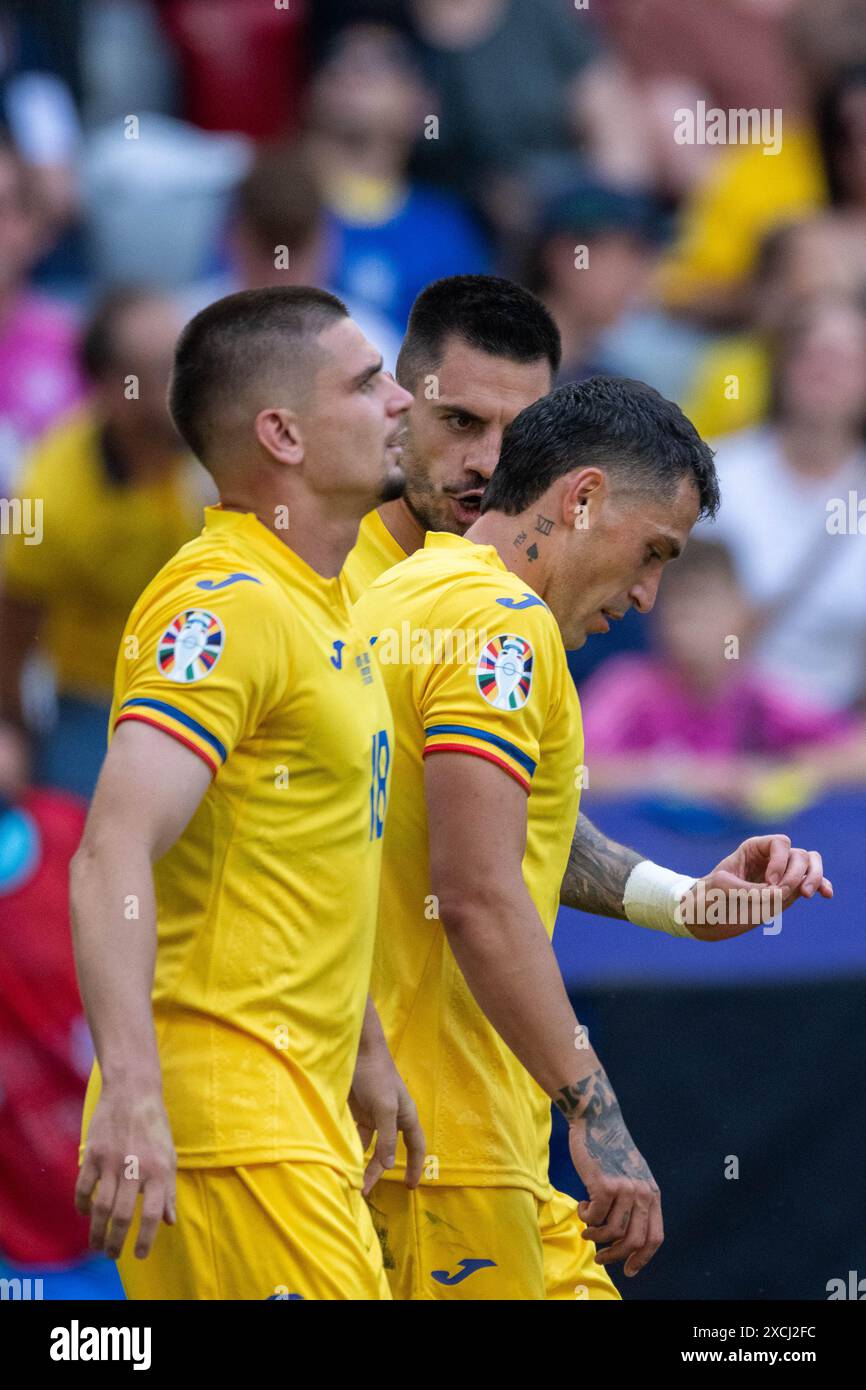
<point>477,351</point>
<point>224,895</point>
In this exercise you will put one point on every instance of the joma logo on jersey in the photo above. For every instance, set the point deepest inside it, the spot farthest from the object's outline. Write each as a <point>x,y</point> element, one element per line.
<point>238,578</point>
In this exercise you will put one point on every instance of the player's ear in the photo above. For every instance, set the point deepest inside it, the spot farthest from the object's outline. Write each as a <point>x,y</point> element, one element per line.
<point>584,490</point>
<point>279,432</point>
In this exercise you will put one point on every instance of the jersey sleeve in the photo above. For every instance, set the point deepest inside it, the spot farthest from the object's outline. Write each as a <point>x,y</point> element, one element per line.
<point>205,673</point>
<point>497,677</point>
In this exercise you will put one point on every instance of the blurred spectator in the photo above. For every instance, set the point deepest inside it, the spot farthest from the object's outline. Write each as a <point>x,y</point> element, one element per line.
<point>728,53</point>
<point>826,255</point>
<point>39,373</point>
<point>280,234</point>
<point>841,120</point>
<point>825,38</point>
<point>108,498</point>
<point>45,1050</point>
<point>45,1047</point>
<point>744,195</point>
<point>129,61</point>
<point>693,717</point>
<point>590,264</point>
<point>242,62</point>
<point>784,485</point>
<point>516,83</point>
<point>39,91</point>
<point>155,194</point>
<point>393,235</point>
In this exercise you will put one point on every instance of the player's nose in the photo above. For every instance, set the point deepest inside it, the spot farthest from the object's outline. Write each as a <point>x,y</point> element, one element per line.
<point>399,399</point>
<point>483,458</point>
<point>644,593</point>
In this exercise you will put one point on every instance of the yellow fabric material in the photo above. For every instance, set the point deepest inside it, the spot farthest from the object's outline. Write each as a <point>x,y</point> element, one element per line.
<point>374,552</point>
<point>454,1244</point>
<point>278,1230</point>
<point>267,903</point>
<point>506,695</point>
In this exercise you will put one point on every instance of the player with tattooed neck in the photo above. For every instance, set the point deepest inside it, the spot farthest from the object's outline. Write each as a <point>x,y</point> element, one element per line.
<point>478,350</point>
<point>596,488</point>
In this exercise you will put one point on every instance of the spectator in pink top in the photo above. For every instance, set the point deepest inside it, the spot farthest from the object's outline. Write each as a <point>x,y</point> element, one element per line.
<point>693,717</point>
<point>39,374</point>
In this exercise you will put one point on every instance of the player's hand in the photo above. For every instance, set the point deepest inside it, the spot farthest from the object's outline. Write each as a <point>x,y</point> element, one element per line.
<point>381,1105</point>
<point>624,1211</point>
<point>767,862</point>
<point>129,1151</point>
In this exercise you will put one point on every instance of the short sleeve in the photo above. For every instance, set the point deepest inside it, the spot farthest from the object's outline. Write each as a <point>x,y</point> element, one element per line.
<point>489,689</point>
<point>205,673</point>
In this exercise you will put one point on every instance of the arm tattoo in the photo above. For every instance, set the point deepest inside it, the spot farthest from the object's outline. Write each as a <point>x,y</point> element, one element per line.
<point>597,872</point>
<point>607,1140</point>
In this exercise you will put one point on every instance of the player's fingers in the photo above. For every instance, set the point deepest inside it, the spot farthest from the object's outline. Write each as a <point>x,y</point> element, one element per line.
<point>386,1135</point>
<point>814,875</point>
<point>616,1224</point>
<point>632,1239</point>
<point>121,1216</point>
<point>383,1155</point>
<point>372,1174</point>
<point>594,1212</point>
<point>169,1210</point>
<point>655,1236</point>
<point>153,1205</point>
<point>826,888</point>
<point>101,1208</point>
<point>796,870</point>
<point>88,1177</point>
<point>776,849</point>
<point>416,1145</point>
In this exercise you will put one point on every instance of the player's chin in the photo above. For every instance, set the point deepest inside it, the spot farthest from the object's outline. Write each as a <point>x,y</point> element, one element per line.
<point>574,638</point>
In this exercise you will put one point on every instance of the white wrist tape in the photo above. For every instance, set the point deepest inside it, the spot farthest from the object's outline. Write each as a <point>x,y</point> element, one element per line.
<point>653,895</point>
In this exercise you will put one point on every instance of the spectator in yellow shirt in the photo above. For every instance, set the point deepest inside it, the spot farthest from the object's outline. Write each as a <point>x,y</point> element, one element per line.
<point>107,498</point>
<point>824,256</point>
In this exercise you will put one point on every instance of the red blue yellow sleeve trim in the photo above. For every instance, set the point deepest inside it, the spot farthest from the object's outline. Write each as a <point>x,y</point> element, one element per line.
<point>179,724</point>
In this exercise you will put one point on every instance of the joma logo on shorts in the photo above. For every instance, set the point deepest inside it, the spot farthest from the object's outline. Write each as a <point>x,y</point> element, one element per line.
<point>464,1269</point>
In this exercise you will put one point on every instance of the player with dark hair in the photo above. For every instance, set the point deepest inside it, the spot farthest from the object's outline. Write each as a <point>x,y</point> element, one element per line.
<point>477,350</point>
<point>646,466</point>
<point>645,444</point>
<point>224,894</point>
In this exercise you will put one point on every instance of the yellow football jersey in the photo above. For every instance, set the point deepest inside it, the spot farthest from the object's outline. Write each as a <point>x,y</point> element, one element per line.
<point>266,905</point>
<point>374,552</point>
<point>473,662</point>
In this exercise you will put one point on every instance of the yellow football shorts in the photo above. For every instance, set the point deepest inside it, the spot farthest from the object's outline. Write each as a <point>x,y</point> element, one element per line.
<point>270,1230</point>
<point>482,1243</point>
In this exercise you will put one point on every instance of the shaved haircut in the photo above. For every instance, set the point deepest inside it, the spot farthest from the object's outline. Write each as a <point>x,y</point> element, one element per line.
<point>240,347</point>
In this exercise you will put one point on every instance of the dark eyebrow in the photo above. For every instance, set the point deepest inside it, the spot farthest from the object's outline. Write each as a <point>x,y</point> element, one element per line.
<point>670,544</point>
<point>367,373</point>
<point>452,408</point>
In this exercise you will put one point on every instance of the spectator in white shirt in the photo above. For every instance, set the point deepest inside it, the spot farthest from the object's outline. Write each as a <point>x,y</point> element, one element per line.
<point>791,490</point>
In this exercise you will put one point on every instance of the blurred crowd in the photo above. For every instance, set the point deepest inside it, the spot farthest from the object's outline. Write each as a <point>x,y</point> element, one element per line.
<point>156,154</point>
